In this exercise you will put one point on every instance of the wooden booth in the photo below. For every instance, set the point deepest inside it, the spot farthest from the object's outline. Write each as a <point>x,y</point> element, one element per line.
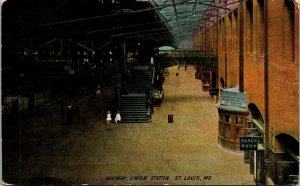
<point>233,114</point>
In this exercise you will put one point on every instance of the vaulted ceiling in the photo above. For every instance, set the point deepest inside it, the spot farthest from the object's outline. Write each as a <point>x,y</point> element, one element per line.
<point>30,23</point>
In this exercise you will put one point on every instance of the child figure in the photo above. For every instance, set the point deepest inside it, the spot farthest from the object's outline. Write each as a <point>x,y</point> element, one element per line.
<point>118,117</point>
<point>108,117</point>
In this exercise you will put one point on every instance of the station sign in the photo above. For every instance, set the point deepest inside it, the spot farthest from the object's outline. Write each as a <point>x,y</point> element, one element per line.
<point>250,142</point>
<point>233,98</point>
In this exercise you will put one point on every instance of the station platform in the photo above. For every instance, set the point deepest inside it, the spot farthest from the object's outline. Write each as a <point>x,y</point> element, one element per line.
<point>91,152</point>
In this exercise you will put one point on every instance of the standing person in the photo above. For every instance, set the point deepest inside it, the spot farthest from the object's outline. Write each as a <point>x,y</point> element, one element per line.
<point>118,117</point>
<point>108,117</point>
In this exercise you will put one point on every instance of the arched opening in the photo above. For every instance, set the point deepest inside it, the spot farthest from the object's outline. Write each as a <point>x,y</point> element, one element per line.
<point>256,157</point>
<point>287,162</point>
<point>288,144</point>
<point>255,113</point>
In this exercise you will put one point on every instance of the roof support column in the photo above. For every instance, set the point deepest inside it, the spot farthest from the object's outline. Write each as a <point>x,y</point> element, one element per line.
<point>241,53</point>
<point>124,56</point>
<point>266,154</point>
<point>226,46</point>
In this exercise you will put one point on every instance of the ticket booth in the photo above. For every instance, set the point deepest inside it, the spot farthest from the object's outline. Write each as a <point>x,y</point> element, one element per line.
<point>232,121</point>
<point>232,118</point>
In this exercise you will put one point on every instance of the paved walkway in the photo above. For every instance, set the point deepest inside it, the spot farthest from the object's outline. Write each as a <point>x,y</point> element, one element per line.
<point>183,152</point>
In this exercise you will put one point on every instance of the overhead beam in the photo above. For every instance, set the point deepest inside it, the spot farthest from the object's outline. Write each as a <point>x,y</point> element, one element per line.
<point>211,5</point>
<point>19,45</point>
<point>104,45</point>
<point>57,8</point>
<point>175,11</point>
<point>46,43</point>
<point>137,32</point>
<point>79,44</point>
<point>110,15</point>
<point>193,11</point>
<point>187,16</point>
<point>170,19</point>
<point>158,12</point>
<point>185,12</point>
<point>150,34</point>
<point>124,27</point>
<point>238,1</point>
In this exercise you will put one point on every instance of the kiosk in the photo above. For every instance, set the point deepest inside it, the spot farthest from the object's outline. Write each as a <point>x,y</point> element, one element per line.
<point>233,114</point>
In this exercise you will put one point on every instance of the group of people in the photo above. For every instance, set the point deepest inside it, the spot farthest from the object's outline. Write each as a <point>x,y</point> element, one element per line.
<point>109,118</point>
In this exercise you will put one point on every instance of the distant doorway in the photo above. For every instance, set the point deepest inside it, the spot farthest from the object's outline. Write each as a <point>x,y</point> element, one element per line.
<point>222,82</point>
<point>287,162</point>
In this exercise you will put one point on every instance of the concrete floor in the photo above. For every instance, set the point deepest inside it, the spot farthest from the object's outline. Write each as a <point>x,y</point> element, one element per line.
<point>94,152</point>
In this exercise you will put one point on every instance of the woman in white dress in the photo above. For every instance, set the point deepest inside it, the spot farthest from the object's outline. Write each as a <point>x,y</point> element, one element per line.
<point>108,117</point>
<point>118,117</point>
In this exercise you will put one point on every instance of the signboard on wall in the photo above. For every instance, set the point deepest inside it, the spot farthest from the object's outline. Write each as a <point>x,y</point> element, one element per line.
<point>233,98</point>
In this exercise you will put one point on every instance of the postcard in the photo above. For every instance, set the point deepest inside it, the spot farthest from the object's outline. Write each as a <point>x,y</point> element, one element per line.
<point>150,92</point>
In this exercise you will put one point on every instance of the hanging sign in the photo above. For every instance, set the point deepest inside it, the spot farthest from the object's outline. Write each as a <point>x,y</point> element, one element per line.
<point>250,142</point>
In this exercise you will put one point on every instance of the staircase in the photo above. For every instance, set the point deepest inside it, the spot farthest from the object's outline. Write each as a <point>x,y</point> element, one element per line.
<point>141,80</point>
<point>134,108</point>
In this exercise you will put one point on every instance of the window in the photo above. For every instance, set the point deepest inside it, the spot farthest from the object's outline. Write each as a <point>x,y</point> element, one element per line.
<point>229,33</point>
<point>260,27</point>
<point>288,32</point>
<point>220,35</point>
<point>239,120</point>
<point>227,118</point>
<point>249,26</point>
<point>235,31</point>
<point>223,32</point>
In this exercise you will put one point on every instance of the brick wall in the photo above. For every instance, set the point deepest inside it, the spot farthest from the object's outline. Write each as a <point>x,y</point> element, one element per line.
<point>282,59</point>
<point>283,63</point>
